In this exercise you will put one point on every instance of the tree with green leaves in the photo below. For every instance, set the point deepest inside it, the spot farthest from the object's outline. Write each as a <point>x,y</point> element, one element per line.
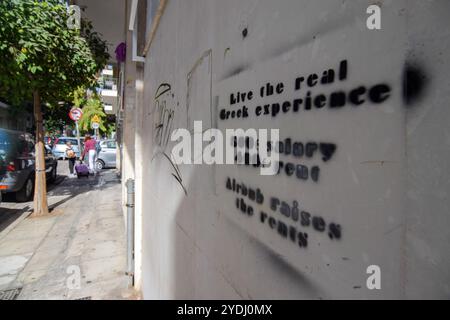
<point>93,107</point>
<point>43,58</point>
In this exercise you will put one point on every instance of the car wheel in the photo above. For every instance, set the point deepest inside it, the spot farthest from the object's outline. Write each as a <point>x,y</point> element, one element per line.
<point>26,193</point>
<point>99,165</point>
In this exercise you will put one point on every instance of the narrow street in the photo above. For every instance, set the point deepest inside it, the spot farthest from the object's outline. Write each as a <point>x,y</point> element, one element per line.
<point>77,252</point>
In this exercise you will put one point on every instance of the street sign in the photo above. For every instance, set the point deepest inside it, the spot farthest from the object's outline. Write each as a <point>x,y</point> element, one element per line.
<point>95,125</point>
<point>95,118</point>
<point>75,114</point>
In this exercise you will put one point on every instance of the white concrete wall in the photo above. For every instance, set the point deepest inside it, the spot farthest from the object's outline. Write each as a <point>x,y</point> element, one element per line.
<point>386,185</point>
<point>108,19</point>
<point>140,162</point>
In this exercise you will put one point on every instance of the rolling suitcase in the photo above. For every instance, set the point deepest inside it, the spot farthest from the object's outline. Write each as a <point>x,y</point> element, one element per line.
<point>82,170</point>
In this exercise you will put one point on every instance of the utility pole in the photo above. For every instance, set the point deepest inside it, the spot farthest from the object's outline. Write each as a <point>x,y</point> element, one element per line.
<point>78,136</point>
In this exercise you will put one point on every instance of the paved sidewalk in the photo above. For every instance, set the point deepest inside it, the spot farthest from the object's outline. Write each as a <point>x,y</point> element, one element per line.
<point>80,244</point>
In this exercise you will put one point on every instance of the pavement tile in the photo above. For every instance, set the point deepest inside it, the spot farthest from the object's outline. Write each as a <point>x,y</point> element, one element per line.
<point>87,234</point>
<point>103,269</point>
<point>18,246</point>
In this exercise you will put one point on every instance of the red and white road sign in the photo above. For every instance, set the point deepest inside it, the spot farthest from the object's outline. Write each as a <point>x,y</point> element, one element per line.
<point>75,114</point>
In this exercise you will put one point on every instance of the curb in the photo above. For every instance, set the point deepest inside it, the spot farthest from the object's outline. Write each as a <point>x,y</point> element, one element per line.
<point>9,228</point>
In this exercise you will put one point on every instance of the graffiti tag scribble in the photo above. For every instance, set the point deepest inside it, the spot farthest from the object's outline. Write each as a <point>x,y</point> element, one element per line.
<point>164,115</point>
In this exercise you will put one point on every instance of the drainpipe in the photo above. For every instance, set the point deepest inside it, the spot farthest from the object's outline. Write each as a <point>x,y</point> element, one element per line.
<point>130,230</point>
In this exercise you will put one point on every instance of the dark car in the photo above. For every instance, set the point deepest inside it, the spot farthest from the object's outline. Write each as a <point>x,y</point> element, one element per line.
<point>17,164</point>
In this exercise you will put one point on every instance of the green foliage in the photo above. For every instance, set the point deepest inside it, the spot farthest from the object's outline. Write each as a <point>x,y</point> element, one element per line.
<point>41,53</point>
<point>93,107</point>
<point>79,97</point>
<point>110,126</point>
<point>56,117</point>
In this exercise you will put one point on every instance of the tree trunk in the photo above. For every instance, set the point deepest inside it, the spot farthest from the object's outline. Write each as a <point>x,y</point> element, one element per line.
<point>40,185</point>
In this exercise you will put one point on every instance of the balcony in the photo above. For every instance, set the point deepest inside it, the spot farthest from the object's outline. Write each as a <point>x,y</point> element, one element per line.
<point>107,87</point>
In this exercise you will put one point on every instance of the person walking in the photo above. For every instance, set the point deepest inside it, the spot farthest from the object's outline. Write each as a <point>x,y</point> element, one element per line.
<point>71,156</point>
<point>89,152</point>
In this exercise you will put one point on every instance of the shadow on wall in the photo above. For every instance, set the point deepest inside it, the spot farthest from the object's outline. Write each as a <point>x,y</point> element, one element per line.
<point>224,262</point>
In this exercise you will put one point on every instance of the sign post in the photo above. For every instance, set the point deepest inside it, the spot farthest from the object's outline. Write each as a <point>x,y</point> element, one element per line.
<point>78,137</point>
<point>95,124</point>
<point>75,114</point>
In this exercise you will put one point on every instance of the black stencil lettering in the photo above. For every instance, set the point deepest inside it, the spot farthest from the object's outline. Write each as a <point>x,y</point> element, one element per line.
<point>297,104</point>
<point>263,217</point>
<point>259,196</point>
<point>282,229</point>
<point>305,218</point>
<point>243,206</point>
<point>334,231</point>
<point>280,87</point>
<point>292,233</point>
<point>327,77</point>
<point>298,149</point>
<point>302,172</point>
<point>223,114</point>
<point>228,184</point>
<point>343,70</point>
<point>274,202</point>
<point>320,101</point>
<point>327,150</point>
<point>315,173</point>
<point>287,147</point>
<point>312,80</point>
<point>302,239</point>
<point>295,212</point>
<point>272,223</point>
<point>379,93</point>
<point>275,109</point>
<point>308,101</point>
<point>289,169</point>
<point>337,99</point>
<point>280,147</point>
<point>252,194</point>
<point>244,112</point>
<point>286,106</point>
<point>244,190</point>
<point>298,83</point>
<point>318,224</point>
<point>355,96</point>
<point>285,209</point>
<point>311,147</point>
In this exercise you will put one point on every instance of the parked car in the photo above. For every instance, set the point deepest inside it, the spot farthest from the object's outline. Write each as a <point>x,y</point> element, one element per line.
<point>106,157</point>
<point>59,147</point>
<point>17,164</point>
